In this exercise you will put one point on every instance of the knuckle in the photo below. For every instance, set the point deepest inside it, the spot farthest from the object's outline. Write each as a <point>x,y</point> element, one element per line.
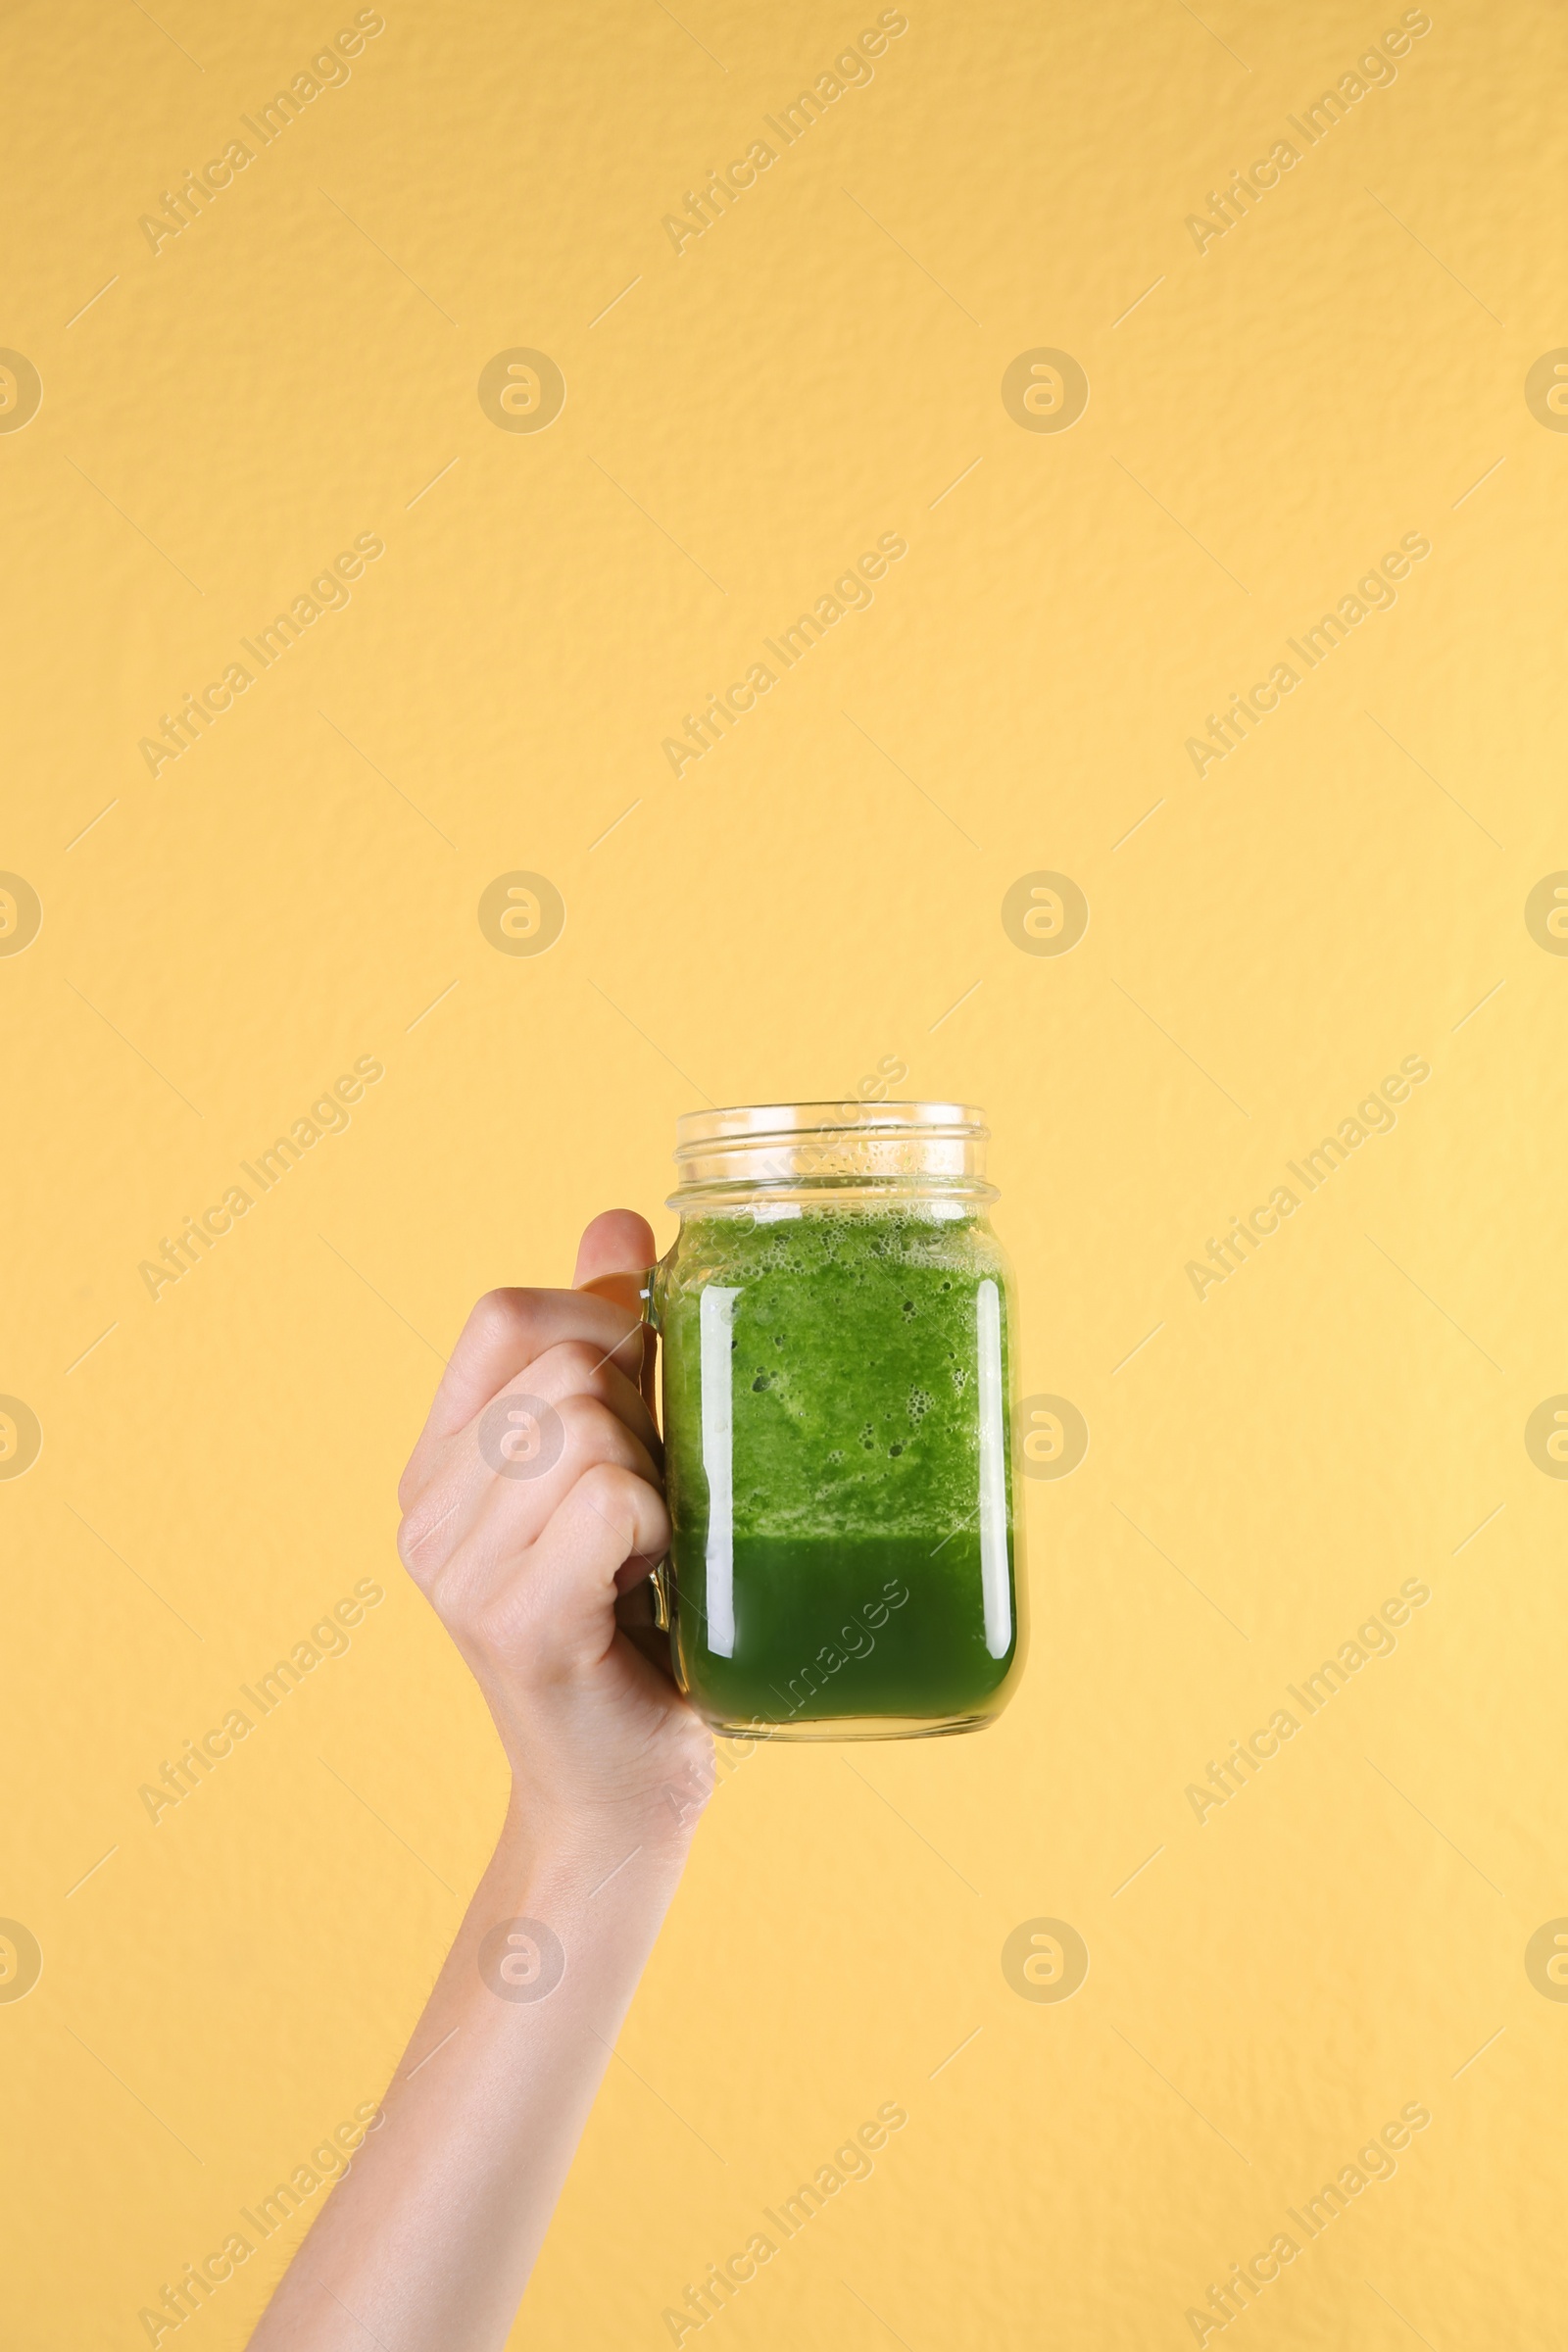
<point>462,1588</point>
<point>417,1534</point>
<point>593,1428</point>
<point>620,1496</point>
<point>499,1315</point>
<point>494,1626</point>
<point>572,1367</point>
<point>611,1489</point>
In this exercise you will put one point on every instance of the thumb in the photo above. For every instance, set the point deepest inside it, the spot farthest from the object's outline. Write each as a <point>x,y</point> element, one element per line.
<point>614,1256</point>
<point>618,1243</point>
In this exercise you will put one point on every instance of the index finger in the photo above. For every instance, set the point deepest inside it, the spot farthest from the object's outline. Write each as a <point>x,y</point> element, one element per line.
<point>508,1329</point>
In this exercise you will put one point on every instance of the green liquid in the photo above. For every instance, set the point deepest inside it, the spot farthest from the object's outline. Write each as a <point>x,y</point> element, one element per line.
<point>835,1426</point>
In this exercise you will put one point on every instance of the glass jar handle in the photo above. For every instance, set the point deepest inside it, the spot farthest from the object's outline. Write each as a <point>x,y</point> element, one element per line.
<point>640,1291</point>
<point>661,1581</point>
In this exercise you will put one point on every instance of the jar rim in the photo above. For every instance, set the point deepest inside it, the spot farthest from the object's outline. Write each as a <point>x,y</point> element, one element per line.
<point>757,1150</point>
<point>697,1131</point>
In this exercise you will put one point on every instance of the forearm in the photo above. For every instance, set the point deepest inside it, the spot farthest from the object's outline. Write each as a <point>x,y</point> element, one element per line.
<point>430,2239</point>
<point>532,1534</point>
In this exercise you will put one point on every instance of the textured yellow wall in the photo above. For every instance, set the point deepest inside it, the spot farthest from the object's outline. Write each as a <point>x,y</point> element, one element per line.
<point>1362,362</point>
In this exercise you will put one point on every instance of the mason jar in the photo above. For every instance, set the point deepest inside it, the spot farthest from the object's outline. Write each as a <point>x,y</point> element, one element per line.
<point>836,1320</point>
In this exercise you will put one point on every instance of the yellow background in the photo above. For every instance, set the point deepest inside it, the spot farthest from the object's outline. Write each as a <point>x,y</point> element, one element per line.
<point>821,366</point>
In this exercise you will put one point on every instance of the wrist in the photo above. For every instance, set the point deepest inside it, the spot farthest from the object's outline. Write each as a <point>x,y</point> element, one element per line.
<point>599,1811</point>
<point>580,1846</point>
<point>563,1918</point>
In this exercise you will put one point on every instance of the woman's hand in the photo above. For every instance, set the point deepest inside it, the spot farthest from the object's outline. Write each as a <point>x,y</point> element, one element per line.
<point>534,1515</point>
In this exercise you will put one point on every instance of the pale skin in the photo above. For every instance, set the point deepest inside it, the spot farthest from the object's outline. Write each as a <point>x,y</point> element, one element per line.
<point>426,2244</point>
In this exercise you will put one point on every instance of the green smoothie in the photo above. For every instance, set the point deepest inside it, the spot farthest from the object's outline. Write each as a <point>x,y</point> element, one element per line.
<point>836,1388</point>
